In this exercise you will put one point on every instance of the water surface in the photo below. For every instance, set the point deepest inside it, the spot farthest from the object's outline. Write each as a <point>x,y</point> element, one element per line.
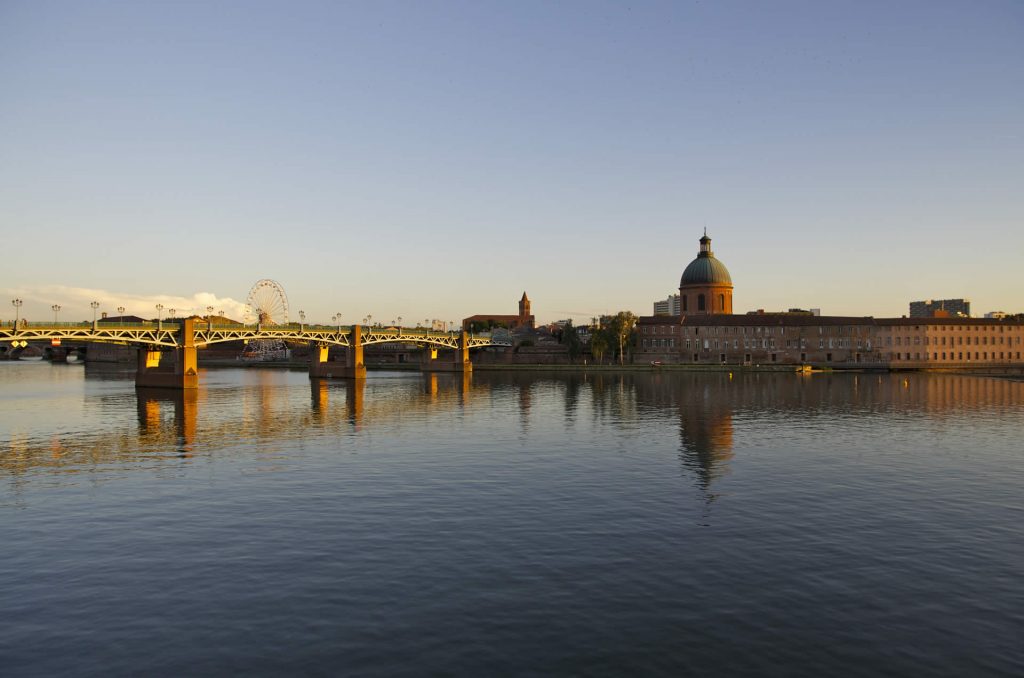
<point>509,524</point>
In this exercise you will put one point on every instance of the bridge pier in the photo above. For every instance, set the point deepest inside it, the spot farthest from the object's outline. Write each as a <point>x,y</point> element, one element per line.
<point>183,374</point>
<point>460,363</point>
<point>353,368</point>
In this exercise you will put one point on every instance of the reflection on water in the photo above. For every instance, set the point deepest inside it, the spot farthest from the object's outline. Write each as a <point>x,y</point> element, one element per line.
<point>521,523</point>
<point>261,404</point>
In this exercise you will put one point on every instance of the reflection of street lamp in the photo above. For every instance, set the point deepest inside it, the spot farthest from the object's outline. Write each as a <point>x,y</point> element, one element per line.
<point>56,309</point>
<point>120,312</point>
<point>159,310</point>
<point>94,305</point>
<point>16,303</point>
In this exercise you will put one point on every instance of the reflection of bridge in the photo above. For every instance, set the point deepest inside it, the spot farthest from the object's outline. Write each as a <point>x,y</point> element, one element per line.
<point>185,336</point>
<point>171,423</point>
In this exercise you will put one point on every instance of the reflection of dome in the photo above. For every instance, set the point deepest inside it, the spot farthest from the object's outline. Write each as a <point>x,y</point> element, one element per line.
<point>705,269</point>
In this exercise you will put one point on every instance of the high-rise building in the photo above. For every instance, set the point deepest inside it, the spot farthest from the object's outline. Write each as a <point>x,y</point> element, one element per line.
<point>669,306</point>
<point>943,308</point>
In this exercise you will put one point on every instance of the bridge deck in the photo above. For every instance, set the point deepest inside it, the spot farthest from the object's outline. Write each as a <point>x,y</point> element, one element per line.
<point>169,334</point>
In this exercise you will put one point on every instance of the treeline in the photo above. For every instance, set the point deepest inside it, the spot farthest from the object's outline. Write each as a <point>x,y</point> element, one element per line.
<point>609,336</point>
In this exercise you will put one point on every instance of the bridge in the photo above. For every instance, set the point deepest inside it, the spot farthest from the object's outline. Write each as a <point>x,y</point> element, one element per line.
<point>187,335</point>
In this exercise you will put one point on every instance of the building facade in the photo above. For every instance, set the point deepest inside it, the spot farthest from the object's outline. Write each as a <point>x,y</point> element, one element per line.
<point>524,319</point>
<point>669,306</point>
<point>941,308</point>
<point>707,335</point>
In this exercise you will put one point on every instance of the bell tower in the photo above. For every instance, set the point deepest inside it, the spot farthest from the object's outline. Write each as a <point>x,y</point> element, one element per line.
<point>524,307</point>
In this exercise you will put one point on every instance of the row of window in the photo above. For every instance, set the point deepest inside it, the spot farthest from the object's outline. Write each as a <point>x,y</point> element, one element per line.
<point>958,355</point>
<point>841,330</point>
<point>983,341</point>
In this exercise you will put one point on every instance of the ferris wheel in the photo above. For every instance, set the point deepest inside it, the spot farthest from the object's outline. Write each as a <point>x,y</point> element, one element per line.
<point>267,303</point>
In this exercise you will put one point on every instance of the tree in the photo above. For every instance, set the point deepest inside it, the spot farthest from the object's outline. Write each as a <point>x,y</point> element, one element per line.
<point>571,340</point>
<point>620,327</point>
<point>598,344</point>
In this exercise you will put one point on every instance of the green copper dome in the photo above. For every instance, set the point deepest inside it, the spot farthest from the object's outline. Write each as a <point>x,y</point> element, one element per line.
<point>705,269</point>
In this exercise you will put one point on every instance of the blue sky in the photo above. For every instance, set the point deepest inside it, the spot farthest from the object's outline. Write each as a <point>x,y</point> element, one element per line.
<point>436,159</point>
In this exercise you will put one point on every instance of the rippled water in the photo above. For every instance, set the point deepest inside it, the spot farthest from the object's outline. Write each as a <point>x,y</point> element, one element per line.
<point>509,524</point>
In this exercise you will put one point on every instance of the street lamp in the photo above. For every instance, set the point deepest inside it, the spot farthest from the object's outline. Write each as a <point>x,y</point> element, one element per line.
<point>302,319</point>
<point>172,313</point>
<point>120,312</point>
<point>338,319</point>
<point>159,310</point>
<point>94,305</point>
<point>16,303</point>
<point>56,309</point>
<point>209,311</point>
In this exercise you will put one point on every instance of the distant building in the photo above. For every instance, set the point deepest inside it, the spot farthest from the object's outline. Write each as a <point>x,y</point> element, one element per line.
<point>941,308</point>
<point>669,306</point>
<point>708,333</point>
<point>997,315</point>
<point>512,322</point>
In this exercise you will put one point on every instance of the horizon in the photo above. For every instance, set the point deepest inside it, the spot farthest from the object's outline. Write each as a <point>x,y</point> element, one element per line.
<point>436,161</point>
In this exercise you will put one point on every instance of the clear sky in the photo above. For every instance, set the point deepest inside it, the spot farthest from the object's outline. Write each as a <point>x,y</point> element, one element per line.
<point>424,159</point>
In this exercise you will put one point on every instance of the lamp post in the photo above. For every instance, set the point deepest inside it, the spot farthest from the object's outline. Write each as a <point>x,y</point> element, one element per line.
<point>338,319</point>
<point>172,313</point>
<point>120,312</point>
<point>159,310</point>
<point>399,325</point>
<point>302,319</point>
<point>94,305</point>
<point>16,303</point>
<point>56,309</point>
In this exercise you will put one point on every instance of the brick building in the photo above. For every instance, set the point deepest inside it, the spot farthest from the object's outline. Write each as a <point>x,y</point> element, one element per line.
<point>524,319</point>
<point>711,336</point>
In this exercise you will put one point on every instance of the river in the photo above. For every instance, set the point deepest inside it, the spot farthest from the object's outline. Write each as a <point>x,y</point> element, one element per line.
<point>511,524</point>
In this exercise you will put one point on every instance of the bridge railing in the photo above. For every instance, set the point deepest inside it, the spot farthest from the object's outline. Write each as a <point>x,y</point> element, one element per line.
<point>78,325</point>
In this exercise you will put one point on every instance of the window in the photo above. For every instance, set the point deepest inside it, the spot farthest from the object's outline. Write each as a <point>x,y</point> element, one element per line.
<point>721,304</point>
<point>700,302</point>
<point>684,304</point>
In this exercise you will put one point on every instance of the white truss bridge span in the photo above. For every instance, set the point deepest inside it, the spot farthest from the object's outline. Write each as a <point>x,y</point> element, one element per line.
<point>170,334</point>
